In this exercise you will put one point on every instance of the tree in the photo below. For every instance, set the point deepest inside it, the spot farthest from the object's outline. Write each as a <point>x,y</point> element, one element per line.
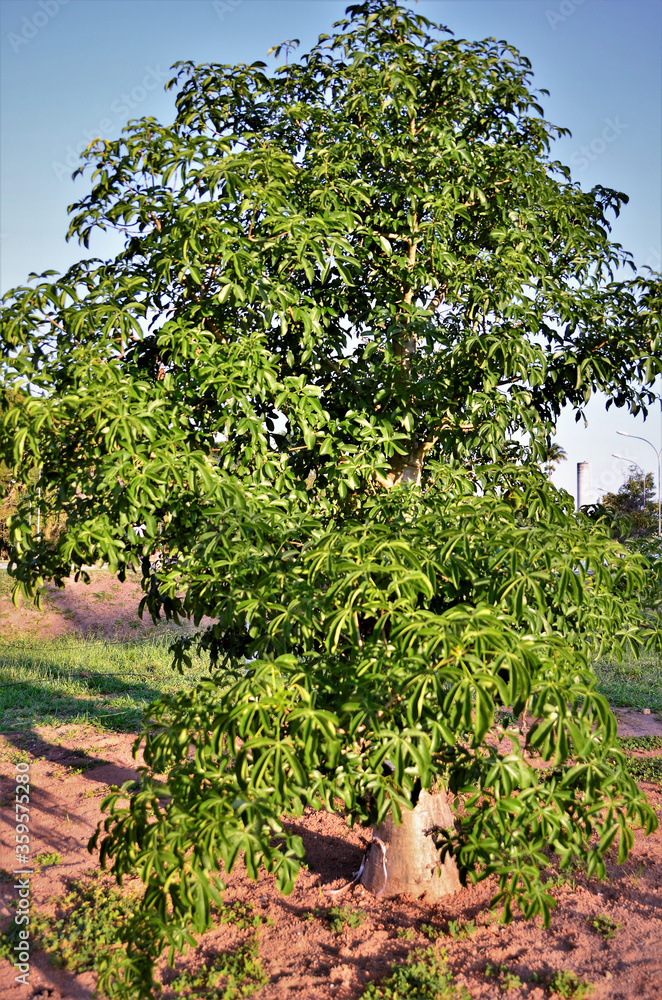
<point>308,400</point>
<point>553,454</point>
<point>634,504</point>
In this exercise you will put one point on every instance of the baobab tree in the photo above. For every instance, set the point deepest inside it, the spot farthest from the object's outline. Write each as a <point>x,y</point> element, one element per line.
<point>309,400</point>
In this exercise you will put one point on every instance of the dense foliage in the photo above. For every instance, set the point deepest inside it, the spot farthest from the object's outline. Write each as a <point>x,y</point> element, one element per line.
<point>308,401</point>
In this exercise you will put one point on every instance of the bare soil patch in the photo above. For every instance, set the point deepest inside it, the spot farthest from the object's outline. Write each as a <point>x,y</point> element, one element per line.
<point>104,608</point>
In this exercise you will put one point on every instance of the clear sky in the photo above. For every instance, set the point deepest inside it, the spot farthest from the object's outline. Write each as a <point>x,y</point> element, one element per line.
<point>74,70</point>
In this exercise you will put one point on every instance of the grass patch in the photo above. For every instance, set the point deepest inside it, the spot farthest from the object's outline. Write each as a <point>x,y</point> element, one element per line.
<point>228,976</point>
<point>87,681</point>
<point>646,769</point>
<point>6,583</point>
<point>641,743</point>
<point>643,768</point>
<point>425,978</point>
<point>85,924</point>
<point>632,683</point>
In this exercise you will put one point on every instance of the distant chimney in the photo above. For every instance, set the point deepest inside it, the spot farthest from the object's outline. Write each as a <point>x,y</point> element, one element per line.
<point>582,484</point>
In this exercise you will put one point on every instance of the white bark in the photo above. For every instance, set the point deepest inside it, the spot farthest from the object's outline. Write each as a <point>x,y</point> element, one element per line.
<point>404,859</point>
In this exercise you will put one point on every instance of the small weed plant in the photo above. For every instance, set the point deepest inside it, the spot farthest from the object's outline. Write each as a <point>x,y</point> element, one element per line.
<point>460,929</point>
<point>561,881</point>
<point>567,985</point>
<point>507,980</point>
<point>84,926</point>
<point>510,981</point>
<point>406,933</point>
<point>99,792</point>
<point>426,977</point>
<point>46,860</point>
<point>228,976</point>
<point>495,970</point>
<point>431,932</point>
<point>241,915</point>
<point>641,743</point>
<point>339,918</point>
<point>604,926</point>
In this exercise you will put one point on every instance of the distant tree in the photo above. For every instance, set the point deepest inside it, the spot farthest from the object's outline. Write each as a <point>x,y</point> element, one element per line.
<point>553,454</point>
<point>8,505</point>
<point>635,501</point>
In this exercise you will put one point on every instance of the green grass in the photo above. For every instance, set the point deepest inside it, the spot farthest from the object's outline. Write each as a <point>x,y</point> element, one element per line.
<point>646,769</point>
<point>93,681</point>
<point>6,584</point>
<point>632,683</point>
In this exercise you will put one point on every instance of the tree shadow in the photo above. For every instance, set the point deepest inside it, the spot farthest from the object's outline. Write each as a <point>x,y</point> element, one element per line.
<point>91,767</point>
<point>327,855</point>
<point>27,697</point>
<point>57,983</point>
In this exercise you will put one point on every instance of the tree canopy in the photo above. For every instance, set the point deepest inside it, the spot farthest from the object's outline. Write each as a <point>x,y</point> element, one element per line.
<point>307,400</point>
<point>553,454</point>
<point>635,504</point>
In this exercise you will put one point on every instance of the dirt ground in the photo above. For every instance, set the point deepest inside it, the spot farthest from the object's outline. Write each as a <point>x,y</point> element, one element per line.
<point>104,608</point>
<point>72,766</point>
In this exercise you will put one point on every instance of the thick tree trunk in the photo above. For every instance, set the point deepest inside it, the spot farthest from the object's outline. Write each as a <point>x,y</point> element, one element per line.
<point>404,858</point>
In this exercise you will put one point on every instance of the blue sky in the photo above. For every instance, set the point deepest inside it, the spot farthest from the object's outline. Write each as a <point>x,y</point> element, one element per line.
<point>73,70</point>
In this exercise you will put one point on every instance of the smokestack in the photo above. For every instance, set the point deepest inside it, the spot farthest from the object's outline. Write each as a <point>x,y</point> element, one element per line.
<point>582,484</point>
